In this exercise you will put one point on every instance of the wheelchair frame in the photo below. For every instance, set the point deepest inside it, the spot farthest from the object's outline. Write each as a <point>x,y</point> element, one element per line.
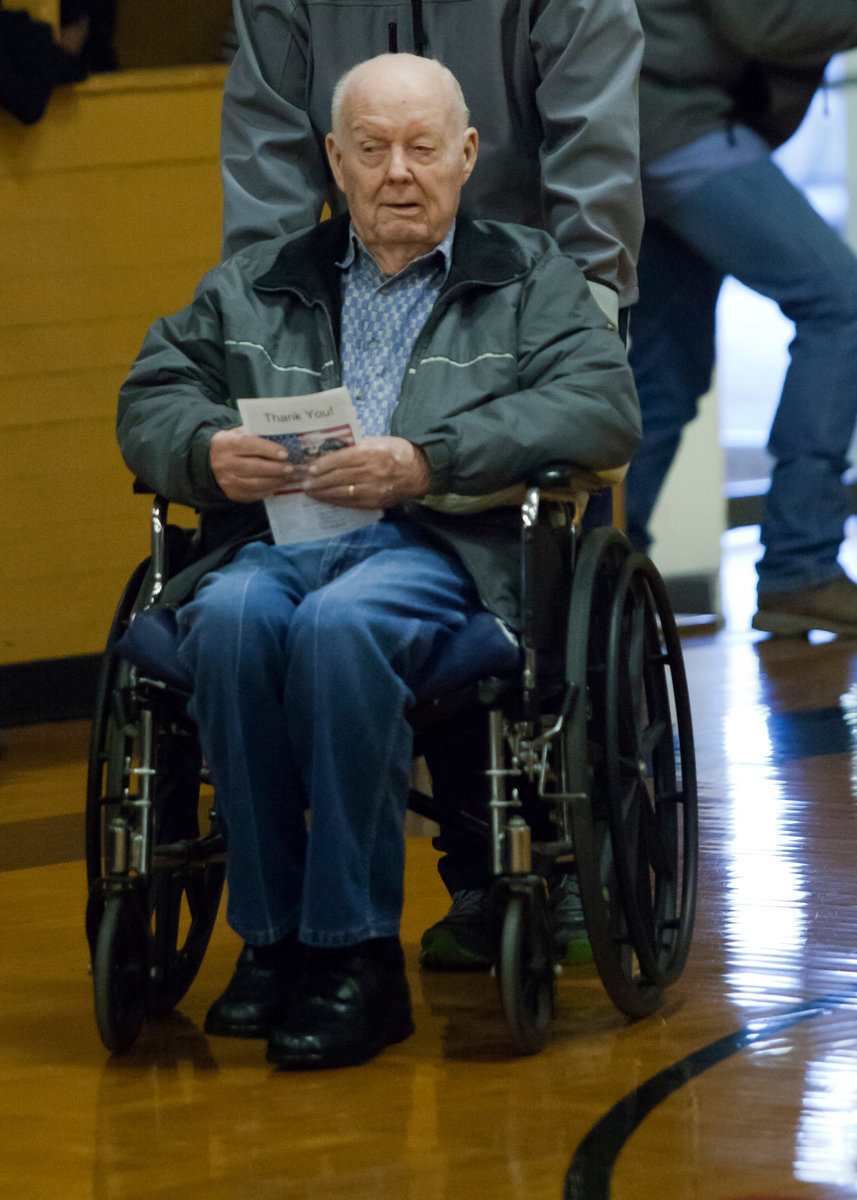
<point>599,726</point>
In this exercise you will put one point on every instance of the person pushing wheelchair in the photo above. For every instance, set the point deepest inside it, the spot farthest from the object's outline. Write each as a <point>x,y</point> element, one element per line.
<point>475,355</point>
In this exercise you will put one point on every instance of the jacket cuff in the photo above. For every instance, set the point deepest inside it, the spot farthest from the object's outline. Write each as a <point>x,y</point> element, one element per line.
<point>438,458</point>
<point>202,477</point>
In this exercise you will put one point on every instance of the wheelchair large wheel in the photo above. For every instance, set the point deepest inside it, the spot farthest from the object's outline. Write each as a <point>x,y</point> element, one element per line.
<point>525,973</point>
<point>120,971</point>
<point>183,900</point>
<point>651,771</point>
<point>180,901</point>
<point>100,739</point>
<point>584,777</point>
<point>178,892</point>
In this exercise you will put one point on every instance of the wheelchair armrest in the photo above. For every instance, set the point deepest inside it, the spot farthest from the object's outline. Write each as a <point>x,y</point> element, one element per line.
<point>568,481</point>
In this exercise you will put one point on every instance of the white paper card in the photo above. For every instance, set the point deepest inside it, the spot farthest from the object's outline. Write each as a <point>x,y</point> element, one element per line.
<point>307,427</point>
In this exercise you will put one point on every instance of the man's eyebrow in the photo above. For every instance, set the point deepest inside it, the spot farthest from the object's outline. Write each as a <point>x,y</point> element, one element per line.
<point>368,124</point>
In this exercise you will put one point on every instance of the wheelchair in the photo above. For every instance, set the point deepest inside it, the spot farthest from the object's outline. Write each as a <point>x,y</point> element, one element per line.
<point>588,718</point>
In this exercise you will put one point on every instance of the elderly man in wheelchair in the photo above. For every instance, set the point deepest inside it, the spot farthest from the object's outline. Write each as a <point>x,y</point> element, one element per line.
<point>476,358</point>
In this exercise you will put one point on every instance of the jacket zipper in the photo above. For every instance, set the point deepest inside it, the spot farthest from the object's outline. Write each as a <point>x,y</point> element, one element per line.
<point>417,28</point>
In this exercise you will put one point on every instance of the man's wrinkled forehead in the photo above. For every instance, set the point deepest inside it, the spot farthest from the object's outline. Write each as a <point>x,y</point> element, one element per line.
<point>429,121</point>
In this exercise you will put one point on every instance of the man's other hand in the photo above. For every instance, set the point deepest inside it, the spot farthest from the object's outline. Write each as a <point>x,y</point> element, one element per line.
<point>248,467</point>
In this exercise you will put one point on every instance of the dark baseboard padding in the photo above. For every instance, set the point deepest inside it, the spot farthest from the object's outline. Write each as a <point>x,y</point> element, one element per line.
<point>50,689</point>
<point>693,595</point>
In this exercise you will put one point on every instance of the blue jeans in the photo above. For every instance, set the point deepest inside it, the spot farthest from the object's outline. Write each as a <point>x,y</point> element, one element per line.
<point>750,222</point>
<point>305,659</point>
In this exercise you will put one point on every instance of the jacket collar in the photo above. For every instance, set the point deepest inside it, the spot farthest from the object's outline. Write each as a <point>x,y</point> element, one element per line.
<point>481,255</point>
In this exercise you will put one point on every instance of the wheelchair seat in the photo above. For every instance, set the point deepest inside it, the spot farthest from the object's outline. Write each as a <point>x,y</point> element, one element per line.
<point>484,646</point>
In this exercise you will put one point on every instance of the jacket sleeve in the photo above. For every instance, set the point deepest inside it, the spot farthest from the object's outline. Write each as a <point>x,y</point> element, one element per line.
<point>173,402</point>
<point>576,401</point>
<point>273,165</point>
<point>787,33</point>
<point>588,55</point>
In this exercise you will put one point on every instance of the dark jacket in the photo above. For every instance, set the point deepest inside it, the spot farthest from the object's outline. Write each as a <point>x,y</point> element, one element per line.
<point>515,368</point>
<point>709,64</point>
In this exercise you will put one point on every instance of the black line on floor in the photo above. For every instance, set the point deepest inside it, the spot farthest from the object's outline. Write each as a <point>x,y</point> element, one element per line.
<point>589,1174</point>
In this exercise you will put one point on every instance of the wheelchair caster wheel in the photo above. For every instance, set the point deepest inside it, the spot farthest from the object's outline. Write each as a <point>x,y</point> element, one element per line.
<point>120,972</point>
<point>525,972</point>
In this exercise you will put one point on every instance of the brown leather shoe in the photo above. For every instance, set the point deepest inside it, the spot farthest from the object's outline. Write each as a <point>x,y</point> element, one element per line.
<point>831,606</point>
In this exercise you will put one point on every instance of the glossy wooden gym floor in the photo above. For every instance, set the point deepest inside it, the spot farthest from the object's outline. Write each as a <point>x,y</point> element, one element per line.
<point>743,1085</point>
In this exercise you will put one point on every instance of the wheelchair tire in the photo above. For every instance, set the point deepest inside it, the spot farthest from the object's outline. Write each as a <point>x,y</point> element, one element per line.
<point>181,902</point>
<point>120,971</point>
<point>635,993</point>
<point>98,752</point>
<point>525,971</point>
<point>651,771</point>
<point>178,900</point>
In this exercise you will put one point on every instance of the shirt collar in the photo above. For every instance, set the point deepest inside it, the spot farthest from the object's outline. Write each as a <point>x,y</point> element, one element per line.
<point>356,248</point>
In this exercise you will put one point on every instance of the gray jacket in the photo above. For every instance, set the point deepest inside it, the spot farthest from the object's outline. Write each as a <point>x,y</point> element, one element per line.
<point>515,368</point>
<point>709,64</point>
<point>552,88</point>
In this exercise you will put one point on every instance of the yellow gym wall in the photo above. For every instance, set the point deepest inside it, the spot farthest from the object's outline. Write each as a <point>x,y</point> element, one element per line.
<point>109,214</point>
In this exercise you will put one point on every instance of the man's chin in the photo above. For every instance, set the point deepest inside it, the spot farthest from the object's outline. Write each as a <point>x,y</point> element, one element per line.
<point>404,218</point>
<point>404,230</point>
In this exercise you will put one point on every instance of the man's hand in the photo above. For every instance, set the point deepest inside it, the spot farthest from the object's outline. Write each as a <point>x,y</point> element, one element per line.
<point>376,473</point>
<point>248,467</point>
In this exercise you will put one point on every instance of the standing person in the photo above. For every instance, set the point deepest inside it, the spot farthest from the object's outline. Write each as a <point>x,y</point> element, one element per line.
<point>34,60</point>
<point>551,84</point>
<point>724,82</point>
<point>306,657</point>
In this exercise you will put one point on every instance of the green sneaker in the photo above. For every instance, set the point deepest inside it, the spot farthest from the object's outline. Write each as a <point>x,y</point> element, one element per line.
<point>570,940</point>
<point>460,942</point>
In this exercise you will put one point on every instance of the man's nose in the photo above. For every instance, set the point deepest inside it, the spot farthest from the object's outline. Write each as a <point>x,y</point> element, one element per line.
<point>398,166</point>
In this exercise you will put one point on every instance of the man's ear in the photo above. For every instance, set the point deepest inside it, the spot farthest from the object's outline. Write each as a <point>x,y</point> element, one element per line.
<point>334,157</point>
<point>471,151</point>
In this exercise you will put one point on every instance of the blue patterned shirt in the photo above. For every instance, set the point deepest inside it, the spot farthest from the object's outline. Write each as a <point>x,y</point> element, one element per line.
<point>382,316</point>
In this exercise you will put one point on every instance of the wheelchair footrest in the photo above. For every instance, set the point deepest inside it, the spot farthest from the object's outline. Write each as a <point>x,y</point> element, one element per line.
<point>172,855</point>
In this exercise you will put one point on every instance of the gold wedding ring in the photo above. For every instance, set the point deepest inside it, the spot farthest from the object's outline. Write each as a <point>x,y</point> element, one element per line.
<point>351,489</point>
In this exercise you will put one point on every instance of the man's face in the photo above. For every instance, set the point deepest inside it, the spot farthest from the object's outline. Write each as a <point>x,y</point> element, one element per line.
<point>401,155</point>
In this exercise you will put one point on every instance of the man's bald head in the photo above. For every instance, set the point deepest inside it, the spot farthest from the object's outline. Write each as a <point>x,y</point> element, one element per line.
<point>408,70</point>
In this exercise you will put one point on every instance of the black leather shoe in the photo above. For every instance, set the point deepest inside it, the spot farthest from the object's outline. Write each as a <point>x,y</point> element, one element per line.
<point>348,1008</point>
<point>259,993</point>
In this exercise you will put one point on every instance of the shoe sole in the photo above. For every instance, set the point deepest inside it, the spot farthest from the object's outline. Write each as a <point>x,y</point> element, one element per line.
<point>224,1029</point>
<point>798,625</point>
<point>349,1056</point>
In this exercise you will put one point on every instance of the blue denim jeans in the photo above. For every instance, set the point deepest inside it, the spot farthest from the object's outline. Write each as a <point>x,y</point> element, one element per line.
<point>750,222</point>
<point>305,659</point>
